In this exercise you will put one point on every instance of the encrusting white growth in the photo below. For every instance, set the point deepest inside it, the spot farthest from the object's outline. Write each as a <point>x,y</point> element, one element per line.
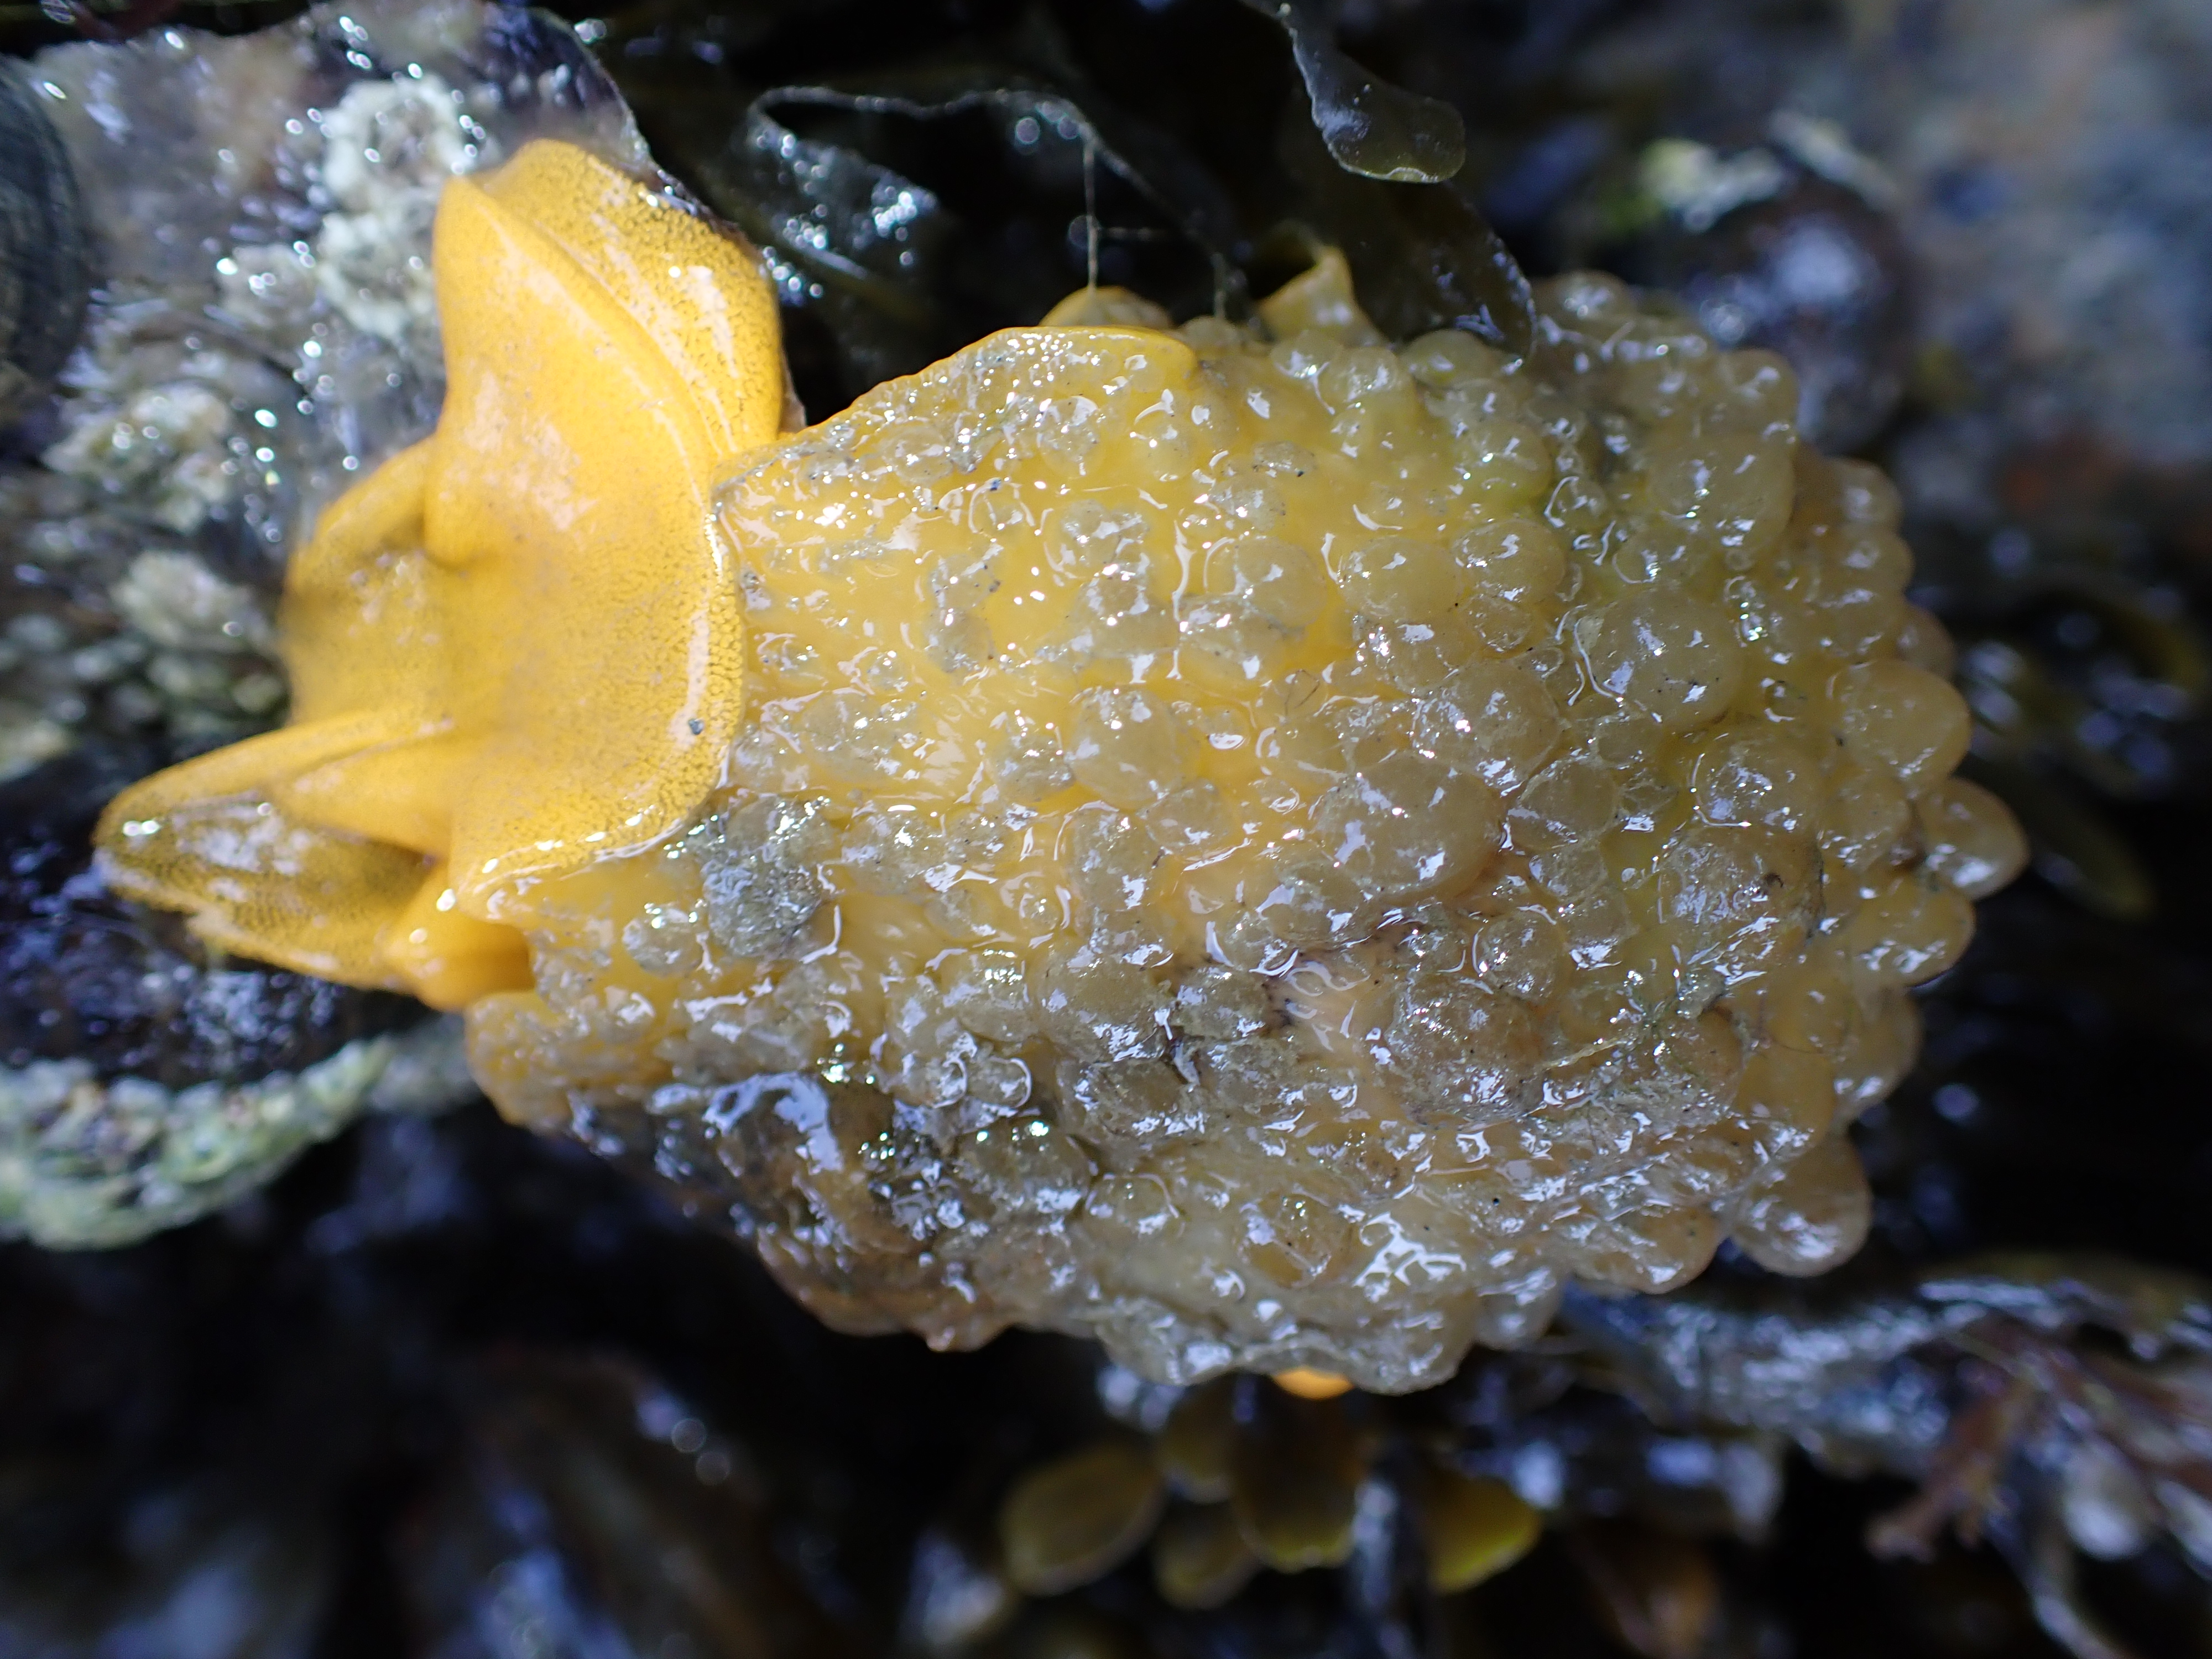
<point>87,1163</point>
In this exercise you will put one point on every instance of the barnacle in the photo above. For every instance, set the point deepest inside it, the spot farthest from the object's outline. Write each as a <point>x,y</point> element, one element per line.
<point>1268,847</point>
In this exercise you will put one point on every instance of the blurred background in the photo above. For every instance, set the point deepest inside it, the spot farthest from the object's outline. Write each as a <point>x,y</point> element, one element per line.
<point>444,1388</point>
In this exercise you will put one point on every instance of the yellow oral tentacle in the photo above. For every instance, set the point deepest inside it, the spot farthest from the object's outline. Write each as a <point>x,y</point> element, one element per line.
<point>515,647</point>
<point>206,837</point>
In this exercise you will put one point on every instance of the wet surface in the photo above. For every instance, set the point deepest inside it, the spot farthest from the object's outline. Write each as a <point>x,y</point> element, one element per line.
<point>391,1403</point>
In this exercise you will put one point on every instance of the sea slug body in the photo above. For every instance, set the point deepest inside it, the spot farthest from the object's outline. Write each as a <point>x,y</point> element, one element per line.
<point>1267,847</point>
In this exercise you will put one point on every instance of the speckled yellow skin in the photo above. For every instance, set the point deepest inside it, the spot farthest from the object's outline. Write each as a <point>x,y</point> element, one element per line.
<point>516,645</point>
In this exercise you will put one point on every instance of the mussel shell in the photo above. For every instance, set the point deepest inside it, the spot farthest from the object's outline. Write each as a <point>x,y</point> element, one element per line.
<point>1815,273</point>
<point>45,270</point>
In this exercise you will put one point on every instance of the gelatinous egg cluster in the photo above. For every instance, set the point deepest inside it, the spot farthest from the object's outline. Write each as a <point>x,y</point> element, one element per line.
<point>1271,848</point>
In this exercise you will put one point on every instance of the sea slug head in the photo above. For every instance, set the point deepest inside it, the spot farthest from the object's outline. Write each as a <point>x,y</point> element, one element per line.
<point>515,647</point>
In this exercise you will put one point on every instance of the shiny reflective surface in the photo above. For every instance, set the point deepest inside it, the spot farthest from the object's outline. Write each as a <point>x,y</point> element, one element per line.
<point>513,646</point>
<point>1269,853</point>
<point>2055,1103</point>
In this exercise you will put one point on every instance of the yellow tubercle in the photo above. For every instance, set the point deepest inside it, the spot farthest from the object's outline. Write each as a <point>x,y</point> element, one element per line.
<point>1106,308</point>
<point>516,647</point>
<point>1321,299</point>
<point>1310,1384</point>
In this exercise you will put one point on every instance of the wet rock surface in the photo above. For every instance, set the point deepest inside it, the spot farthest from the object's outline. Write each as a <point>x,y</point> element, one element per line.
<point>143,1082</point>
<point>450,1387</point>
<point>254,214</point>
<point>226,1438</point>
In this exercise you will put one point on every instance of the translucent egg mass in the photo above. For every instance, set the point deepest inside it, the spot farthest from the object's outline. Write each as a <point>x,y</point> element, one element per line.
<point>1262,845</point>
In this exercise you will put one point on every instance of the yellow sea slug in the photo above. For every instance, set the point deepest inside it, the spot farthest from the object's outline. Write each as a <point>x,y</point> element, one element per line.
<point>517,645</point>
<point>1263,846</point>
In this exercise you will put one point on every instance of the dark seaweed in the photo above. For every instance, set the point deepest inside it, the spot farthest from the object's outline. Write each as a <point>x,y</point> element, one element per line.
<point>880,260</point>
<point>417,1396</point>
<point>1372,128</point>
<point>1422,256</point>
<point>910,208</point>
<point>448,1383</point>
